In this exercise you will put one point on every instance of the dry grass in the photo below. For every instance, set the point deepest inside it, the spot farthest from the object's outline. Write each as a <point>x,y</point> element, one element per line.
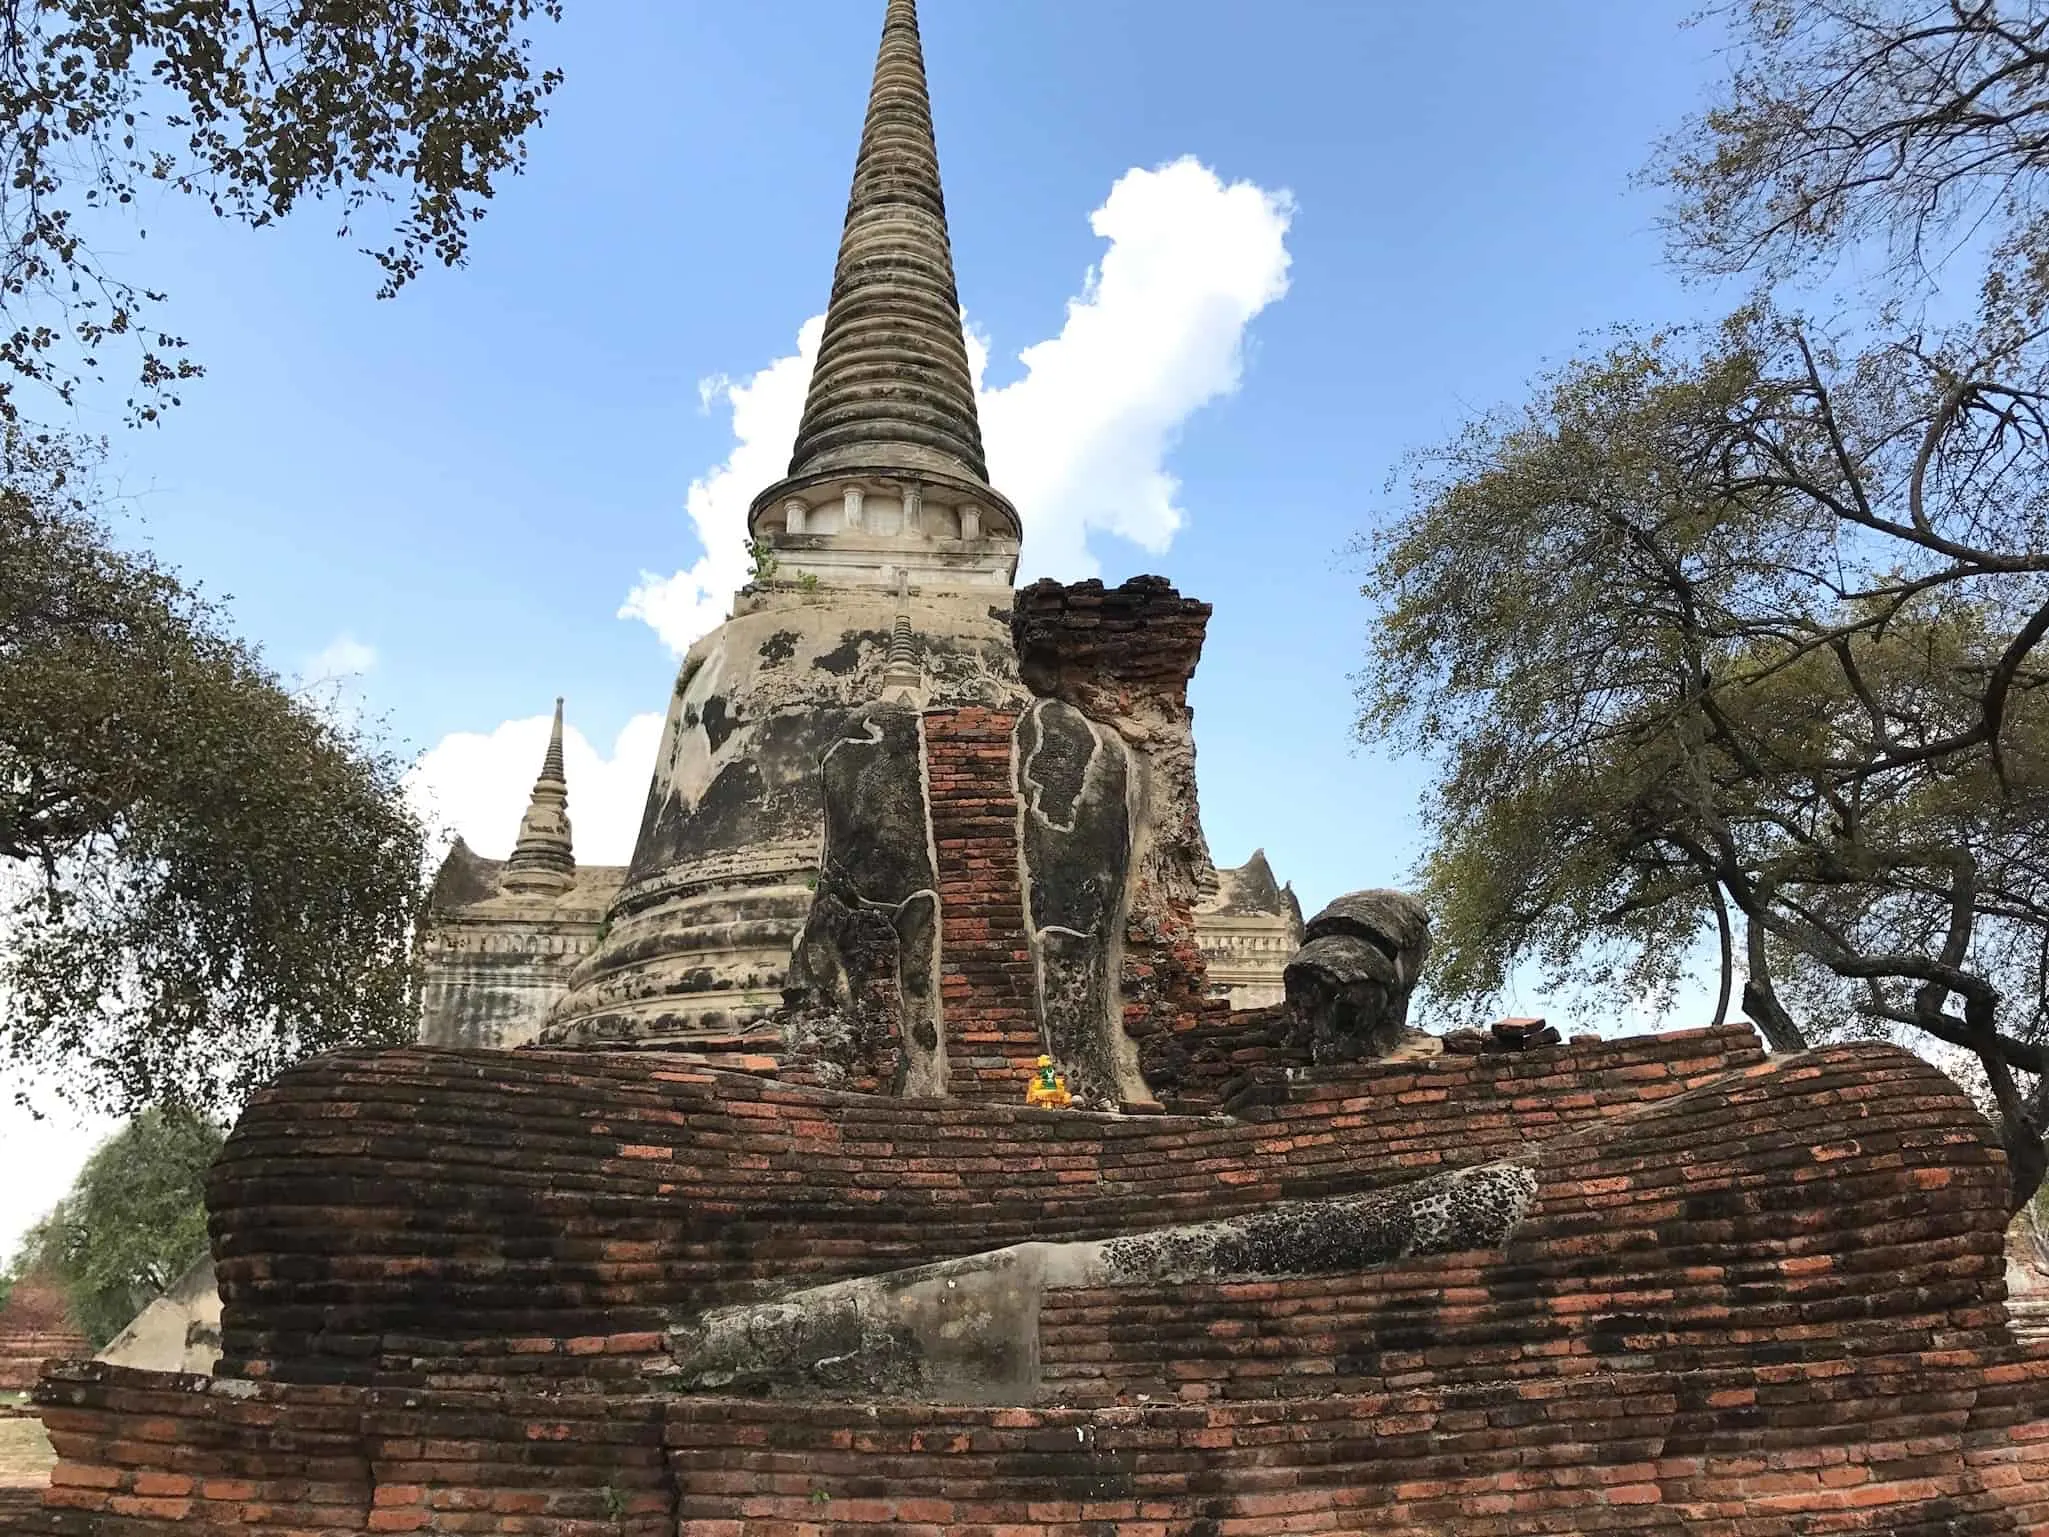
<point>25,1455</point>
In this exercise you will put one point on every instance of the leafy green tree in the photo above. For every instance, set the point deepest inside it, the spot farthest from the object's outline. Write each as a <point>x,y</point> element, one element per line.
<point>201,876</point>
<point>208,877</point>
<point>1737,631</point>
<point>1724,634</point>
<point>254,108</point>
<point>134,1221</point>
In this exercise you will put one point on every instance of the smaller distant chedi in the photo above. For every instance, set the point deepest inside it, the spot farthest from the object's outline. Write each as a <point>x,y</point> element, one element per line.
<point>921,1134</point>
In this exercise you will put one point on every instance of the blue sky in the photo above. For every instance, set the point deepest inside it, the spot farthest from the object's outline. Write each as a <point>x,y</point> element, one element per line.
<point>460,487</point>
<point>469,478</point>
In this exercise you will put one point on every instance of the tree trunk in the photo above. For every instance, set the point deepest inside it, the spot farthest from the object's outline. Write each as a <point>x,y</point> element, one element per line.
<point>1764,1010</point>
<point>2026,1161</point>
<point>1760,1003</point>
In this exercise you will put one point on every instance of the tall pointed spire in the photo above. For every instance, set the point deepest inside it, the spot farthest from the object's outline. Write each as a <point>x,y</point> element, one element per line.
<point>543,861</point>
<point>892,387</point>
<point>551,762</point>
<point>892,400</point>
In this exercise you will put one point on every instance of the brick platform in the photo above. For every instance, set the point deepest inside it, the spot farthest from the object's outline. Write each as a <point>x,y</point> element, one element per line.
<point>421,1216</point>
<point>1935,1455</point>
<point>1761,1299</point>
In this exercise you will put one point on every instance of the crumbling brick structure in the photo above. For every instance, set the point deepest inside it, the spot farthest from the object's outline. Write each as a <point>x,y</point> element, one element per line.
<point>986,966</point>
<point>1653,1285</point>
<point>1058,845</point>
<point>1662,1285</point>
<point>1110,668</point>
<point>35,1326</point>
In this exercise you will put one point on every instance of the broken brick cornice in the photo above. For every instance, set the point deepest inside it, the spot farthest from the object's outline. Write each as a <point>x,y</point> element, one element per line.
<point>1136,644</point>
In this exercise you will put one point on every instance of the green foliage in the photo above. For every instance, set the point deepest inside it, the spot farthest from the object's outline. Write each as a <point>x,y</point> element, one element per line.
<point>808,583</point>
<point>134,1221</point>
<point>217,878</point>
<point>1734,631</point>
<point>761,560</point>
<point>209,877</point>
<point>1642,570</point>
<point>421,104</point>
<point>1724,633</point>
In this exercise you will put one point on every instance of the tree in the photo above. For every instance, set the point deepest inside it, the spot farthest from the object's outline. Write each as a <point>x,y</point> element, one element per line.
<point>212,877</point>
<point>134,1221</point>
<point>254,108</point>
<point>1737,631</point>
<point>1722,632</point>
<point>202,877</point>
<point>1909,126</point>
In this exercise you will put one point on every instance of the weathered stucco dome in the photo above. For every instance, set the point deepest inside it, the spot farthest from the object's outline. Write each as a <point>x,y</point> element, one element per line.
<point>728,855</point>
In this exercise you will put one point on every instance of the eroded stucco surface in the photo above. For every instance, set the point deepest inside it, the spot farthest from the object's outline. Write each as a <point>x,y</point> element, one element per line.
<point>967,1330</point>
<point>728,862</point>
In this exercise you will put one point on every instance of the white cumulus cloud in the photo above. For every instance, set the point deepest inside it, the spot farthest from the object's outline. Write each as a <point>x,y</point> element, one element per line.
<point>1080,440</point>
<point>766,409</point>
<point>476,785</point>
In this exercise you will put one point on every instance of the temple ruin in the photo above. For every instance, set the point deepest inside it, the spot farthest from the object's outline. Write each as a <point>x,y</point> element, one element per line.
<point>35,1326</point>
<point>497,955</point>
<point>503,936</point>
<point>754,1232</point>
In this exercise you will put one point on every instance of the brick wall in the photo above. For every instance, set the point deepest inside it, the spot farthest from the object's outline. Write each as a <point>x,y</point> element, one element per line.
<point>148,1451</point>
<point>1592,1455</point>
<point>1125,655</point>
<point>449,1216</point>
<point>1226,1054</point>
<point>991,1021</point>
<point>1921,1448</point>
<point>1418,1117</point>
<point>1165,987</point>
<point>1759,1300</point>
<point>1752,1220</point>
<point>1124,647</point>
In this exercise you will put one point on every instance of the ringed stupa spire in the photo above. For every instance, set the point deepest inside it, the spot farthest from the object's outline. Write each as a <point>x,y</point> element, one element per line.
<point>880,592</point>
<point>892,385</point>
<point>543,860</point>
<point>890,443</point>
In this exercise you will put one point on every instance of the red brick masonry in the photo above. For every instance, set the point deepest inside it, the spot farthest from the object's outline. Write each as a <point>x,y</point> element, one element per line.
<point>1748,1299</point>
<point>991,1024</point>
<point>376,1211</point>
<point>34,1326</point>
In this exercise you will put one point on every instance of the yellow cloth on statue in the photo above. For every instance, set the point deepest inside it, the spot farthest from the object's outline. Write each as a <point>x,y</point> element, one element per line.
<point>1047,1090</point>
